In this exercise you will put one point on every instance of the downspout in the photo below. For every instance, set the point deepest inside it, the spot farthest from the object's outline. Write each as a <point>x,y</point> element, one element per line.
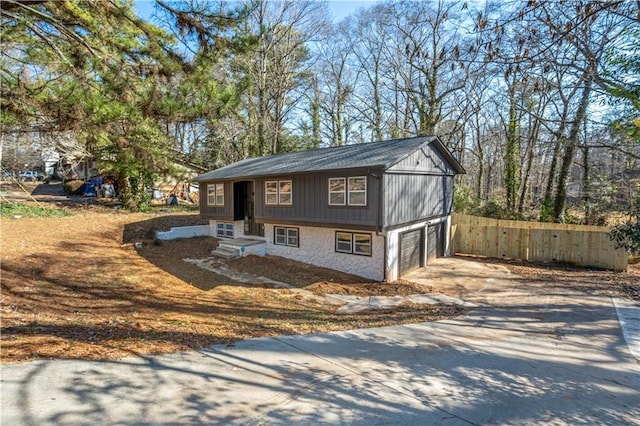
<point>379,206</point>
<point>379,212</point>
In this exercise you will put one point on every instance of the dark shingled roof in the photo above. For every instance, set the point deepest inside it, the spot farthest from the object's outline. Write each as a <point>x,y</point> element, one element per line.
<point>374,154</point>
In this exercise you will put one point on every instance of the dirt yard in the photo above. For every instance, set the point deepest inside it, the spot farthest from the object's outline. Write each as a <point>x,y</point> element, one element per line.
<point>77,287</point>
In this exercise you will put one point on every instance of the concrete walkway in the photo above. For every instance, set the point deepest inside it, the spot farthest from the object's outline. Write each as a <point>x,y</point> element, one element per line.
<point>527,355</point>
<point>351,304</point>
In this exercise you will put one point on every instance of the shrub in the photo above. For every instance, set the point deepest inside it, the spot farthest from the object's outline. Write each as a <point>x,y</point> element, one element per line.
<point>26,210</point>
<point>494,209</point>
<point>627,235</point>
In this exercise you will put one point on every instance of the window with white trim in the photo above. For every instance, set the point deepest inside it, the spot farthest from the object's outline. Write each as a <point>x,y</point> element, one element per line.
<point>224,229</point>
<point>343,242</point>
<point>337,191</point>
<point>283,236</point>
<point>357,189</point>
<point>271,192</point>
<point>353,243</point>
<point>362,244</point>
<point>215,194</point>
<point>350,191</point>
<point>278,192</point>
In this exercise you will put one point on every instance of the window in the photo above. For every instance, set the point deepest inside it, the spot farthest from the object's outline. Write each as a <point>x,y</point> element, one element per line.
<point>278,192</point>
<point>337,191</point>
<point>271,192</point>
<point>224,229</point>
<point>286,236</point>
<point>358,191</point>
<point>215,194</point>
<point>348,191</point>
<point>343,242</point>
<point>362,244</point>
<point>353,243</point>
<point>284,192</point>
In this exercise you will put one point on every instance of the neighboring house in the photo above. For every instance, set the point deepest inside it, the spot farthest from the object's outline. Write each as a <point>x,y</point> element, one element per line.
<point>179,181</point>
<point>378,210</point>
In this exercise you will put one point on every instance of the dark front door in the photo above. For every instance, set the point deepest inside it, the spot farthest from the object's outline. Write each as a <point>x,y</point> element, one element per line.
<point>243,208</point>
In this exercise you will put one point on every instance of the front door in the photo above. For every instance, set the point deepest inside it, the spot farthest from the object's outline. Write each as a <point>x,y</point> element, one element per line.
<point>243,208</point>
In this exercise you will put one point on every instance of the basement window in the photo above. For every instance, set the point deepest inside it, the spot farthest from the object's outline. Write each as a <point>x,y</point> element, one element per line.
<point>224,229</point>
<point>353,243</point>
<point>286,236</point>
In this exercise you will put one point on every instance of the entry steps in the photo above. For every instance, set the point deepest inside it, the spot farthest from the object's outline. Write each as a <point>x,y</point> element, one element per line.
<point>232,248</point>
<point>226,252</point>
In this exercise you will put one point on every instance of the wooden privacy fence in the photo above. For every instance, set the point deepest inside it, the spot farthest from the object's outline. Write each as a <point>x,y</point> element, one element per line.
<point>575,244</point>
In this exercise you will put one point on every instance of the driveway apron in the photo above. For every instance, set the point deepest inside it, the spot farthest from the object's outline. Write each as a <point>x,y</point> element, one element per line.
<point>529,354</point>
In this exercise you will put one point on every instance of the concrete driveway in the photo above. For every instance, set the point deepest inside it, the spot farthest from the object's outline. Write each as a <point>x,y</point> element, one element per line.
<point>527,355</point>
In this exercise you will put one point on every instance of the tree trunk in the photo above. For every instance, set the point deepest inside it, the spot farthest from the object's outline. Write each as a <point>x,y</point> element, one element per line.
<point>480,154</point>
<point>512,155</point>
<point>572,143</point>
<point>545,215</point>
<point>533,137</point>
<point>586,186</point>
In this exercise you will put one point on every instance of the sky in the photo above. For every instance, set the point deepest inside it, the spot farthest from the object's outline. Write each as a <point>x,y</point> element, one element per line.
<point>340,9</point>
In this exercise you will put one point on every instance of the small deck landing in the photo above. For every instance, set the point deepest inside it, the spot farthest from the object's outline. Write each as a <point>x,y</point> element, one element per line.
<point>240,242</point>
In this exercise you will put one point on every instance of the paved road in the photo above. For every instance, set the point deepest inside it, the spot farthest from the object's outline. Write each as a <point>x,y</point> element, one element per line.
<point>527,355</point>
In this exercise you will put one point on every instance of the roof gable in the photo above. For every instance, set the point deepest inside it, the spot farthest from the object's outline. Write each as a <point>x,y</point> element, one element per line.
<point>367,155</point>
<point>432,157</point>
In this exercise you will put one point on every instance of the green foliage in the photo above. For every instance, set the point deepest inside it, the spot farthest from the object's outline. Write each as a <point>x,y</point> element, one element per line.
<point>571,219</point>
<point>627,235</point>
<point>463,201</point>
<point>512,154</point>
<point>24,210</point>
<point>495,209</point>
<point>620,80</point>
<point>546,210</point>
<point>115,81</point>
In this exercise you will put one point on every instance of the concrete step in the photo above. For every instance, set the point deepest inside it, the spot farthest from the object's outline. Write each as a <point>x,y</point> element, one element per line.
<point>226,252</point>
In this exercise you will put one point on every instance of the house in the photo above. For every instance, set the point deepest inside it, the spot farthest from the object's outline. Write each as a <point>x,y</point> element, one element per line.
<point>378,210</point>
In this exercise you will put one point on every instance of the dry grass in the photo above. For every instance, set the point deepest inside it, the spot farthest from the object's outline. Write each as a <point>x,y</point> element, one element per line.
<point>75,287</point>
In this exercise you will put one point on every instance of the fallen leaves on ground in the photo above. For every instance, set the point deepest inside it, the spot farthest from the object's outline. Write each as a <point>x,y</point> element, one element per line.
<point>588,280</point>
<point>77,287</point>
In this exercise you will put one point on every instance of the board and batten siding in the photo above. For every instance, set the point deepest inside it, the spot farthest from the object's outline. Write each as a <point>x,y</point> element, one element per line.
<point>424,160</point>
<point>412,197</point>
<point>215,212</point>
<point>311,202</point>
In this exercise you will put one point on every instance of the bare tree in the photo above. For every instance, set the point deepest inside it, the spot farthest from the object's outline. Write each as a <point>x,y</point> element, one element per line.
<point>278,66</point>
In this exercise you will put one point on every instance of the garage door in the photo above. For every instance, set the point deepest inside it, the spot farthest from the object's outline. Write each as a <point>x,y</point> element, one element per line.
<point>435,241</point>
<point>411,244</point>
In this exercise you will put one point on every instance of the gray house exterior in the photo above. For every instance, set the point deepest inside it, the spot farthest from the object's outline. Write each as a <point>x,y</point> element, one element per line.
<point>378,209</point>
